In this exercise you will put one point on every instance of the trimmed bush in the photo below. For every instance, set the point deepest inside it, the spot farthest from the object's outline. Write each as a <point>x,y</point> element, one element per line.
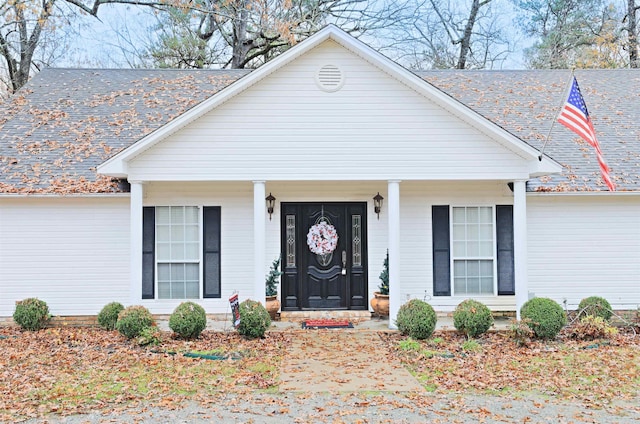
<point>108,316</point>
<point>545,317</point>
<point>416,319</point>
<point>149,336</point>
<point>132,320</point>
<point>188,320</point>
<point>31,314</point>
<point>596,306</point>
<point>472,318</point>
<point>254,319</point>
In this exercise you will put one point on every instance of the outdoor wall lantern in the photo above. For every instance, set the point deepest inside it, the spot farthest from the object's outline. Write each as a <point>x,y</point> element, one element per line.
<point>377,204</point>
<point>271,202</point>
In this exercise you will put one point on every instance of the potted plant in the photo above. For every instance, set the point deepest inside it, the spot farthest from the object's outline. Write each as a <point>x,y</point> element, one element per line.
<point>271,290</point>
<point>380,301</point>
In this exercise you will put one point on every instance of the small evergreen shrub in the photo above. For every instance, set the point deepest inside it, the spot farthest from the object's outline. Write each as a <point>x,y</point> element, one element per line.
<point>254,319</point>
<point>272,280</point>
<point>521,332</point>
<point>383,288</point>
<point>132,320</point>
<point>596,306</point>
<point>545,317</point>
<point>149,336</point>
<point>108,316</point>
<point>472,318</point>
<point>592,327</point>
<point>31,314</point>
<point>417,319</point>
<point>188,320</point>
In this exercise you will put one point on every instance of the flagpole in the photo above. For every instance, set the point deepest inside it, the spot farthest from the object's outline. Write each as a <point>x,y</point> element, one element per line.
<point>553,123</point>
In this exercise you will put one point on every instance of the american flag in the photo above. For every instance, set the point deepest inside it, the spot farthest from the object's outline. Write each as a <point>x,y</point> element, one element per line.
<point>575,116</point>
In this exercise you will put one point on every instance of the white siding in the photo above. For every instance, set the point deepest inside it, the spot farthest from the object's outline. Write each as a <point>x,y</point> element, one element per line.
<point>286,128</point>
<point>72,253</point>
<point>582,246</point>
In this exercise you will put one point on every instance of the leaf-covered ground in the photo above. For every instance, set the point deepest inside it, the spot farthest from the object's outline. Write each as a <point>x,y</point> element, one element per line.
<point>65,371</point>
<point>591,372</point>
<point>72,370</point>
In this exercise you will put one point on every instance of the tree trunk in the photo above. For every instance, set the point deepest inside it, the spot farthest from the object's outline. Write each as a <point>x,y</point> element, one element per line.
<point>465,41</point>
<point>633,34</point>
<point>241,43</point>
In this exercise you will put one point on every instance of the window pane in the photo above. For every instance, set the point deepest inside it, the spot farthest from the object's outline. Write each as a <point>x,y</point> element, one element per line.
<point>177,233</point>
<point>459,248</point>
<point>163,216</point>
<point>177,215</point>
<point>486,232</point>
<point>485,215</point>
<point>163,233</point>
<point>291,241</point>
<point>485,248</point>
<point>356,229</point>
<point>473,248</point>
<point>177,251</point>
<point>163,252</point>
<point>192,251</point>
<point>191,215</point>
<point>459,215</point>
<point>192,290</point>
<point>191,272</point>
<point>164,290</point>
<point>459,232</point>
<point>472,215</point>
<point>191,233</point>
<point>164,272</point>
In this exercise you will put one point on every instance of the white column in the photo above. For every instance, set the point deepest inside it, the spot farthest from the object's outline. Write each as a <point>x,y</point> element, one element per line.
<point>393,207</point>
<point>520,243</point>
<point>135,277</point>
<point>259,237</point>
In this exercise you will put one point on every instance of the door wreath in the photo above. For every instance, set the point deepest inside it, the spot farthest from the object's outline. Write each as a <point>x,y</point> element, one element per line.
<point>322,238</point>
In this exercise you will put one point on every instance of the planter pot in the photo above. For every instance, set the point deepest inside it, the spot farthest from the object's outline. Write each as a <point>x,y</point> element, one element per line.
<point>380,304</point>
<point>273,306</point>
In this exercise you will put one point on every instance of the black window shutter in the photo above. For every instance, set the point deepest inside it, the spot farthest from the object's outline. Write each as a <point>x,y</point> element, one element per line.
<point>211,252</point>
<point>148,251</point>
<point>504,232</point>
<point>441,251</point>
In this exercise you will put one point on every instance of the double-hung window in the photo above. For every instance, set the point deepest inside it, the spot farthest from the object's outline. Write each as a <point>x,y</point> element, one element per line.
<point>178,252</point>
<point>473,252</point>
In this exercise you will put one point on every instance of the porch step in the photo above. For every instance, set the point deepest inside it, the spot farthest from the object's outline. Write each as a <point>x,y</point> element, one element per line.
<point>299,316</point>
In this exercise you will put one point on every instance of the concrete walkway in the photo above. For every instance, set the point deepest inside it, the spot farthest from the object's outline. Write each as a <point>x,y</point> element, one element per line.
<point>342,360</point>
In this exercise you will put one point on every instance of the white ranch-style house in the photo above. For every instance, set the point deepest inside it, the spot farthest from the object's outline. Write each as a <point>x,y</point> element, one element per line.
<point>148,186</point>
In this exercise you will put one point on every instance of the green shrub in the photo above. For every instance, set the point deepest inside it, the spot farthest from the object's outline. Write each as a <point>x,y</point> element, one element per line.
<point>149,336</point>
<point>417,319</point>
<point>108,316</point>
<point>132,320</point>
<point>31,314</point>
<point>596,306</point>
<point>254,319</point>
<point>592,327</point>
<point>545,317</point>
<point>472,318</point>
<point>188,320</point>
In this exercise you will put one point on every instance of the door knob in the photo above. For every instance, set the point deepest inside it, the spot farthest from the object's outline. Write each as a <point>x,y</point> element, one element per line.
<point>344,262</point>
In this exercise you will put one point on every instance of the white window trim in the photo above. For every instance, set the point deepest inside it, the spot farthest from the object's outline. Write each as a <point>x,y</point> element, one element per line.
<point>198,261</point>
<point>494,259</point>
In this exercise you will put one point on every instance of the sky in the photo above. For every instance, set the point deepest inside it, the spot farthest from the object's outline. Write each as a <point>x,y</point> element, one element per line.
<point>110,41</point>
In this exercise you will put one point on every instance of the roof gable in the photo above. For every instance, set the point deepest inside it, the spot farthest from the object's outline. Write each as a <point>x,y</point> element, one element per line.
<point>117,165</point>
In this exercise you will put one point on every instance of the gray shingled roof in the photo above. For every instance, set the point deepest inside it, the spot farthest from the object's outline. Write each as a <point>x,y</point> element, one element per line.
<point>58,128</point>
<point>527,103</point>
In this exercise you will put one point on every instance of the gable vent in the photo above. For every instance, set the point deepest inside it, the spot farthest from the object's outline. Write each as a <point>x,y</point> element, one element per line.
<point>329,78</point>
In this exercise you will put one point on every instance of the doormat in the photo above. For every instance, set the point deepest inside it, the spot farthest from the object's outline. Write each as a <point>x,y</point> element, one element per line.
<point>326,323</point>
